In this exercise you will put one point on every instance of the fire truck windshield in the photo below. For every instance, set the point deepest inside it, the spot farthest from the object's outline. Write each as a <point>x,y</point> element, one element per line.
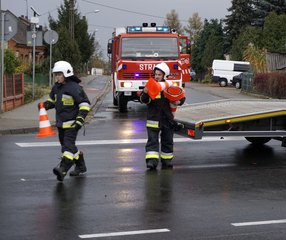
<point>150,47</point>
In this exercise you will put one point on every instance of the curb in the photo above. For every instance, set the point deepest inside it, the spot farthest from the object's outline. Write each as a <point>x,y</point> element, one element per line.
<point>94,103</point>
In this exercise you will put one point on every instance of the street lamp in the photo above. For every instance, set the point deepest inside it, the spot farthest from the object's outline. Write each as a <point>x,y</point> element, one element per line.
<point>84,17</point>
<point>94,11</point>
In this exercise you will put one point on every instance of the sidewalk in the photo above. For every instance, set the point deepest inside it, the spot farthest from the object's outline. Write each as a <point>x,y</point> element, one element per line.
<point>25,119</point>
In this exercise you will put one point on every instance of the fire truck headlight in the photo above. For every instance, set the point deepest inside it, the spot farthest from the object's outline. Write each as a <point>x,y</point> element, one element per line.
<point>176,84</point>
<point>126,84</point>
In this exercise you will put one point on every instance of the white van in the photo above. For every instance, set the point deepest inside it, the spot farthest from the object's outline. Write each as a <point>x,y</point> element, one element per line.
<point>223,71</point>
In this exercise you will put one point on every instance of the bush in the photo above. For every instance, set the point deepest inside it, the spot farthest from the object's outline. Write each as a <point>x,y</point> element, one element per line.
<point>40,91</point>
<point>271,84</point>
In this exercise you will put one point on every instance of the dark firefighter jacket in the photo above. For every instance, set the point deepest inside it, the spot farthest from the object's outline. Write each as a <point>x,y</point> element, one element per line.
<point>70,101</point>
<point>159,112</point>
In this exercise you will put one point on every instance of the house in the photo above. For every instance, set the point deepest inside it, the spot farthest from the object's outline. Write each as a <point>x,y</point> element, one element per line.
<point>18,44</point>
<point>13,85</point>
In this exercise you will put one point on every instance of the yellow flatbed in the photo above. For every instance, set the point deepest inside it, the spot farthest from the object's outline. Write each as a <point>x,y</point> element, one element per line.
<point>233,117</point>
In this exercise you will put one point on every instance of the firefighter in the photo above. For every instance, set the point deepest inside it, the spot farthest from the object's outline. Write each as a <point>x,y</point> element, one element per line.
<point>160,120</point>
<point>72,106</point>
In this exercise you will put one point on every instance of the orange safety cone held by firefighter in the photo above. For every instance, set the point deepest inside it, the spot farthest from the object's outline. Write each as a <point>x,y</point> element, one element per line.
<point>154,88</point>
<point>174,93</point>
<point>45,128</point>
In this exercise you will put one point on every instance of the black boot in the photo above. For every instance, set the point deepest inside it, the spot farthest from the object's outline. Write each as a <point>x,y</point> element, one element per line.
<point>79,166</point>
<point>61,170</point>
<point>166,164</point>
<point>152,163</point>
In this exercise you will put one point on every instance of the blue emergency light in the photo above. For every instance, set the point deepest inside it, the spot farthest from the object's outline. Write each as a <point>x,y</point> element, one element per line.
<point>162,29</point>
<point>134,29</point>
<point>139,29</point>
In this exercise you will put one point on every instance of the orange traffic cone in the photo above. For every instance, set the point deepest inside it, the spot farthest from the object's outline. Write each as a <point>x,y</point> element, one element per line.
<point>153,88</point>
<point>174,93</point>
<point>45,125</point>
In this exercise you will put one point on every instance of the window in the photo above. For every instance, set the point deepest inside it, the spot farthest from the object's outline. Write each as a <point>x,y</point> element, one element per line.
<point>150,47</point>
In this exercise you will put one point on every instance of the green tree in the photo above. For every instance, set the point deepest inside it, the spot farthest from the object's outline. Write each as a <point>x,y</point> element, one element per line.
<point>248,35</point>
<point>263,7</point>
<point>241,15</point>
<point>274,33</point>
<point>210,45</point>
<point>172,20</point>
<point>11,62</point>
<point>79,51</point>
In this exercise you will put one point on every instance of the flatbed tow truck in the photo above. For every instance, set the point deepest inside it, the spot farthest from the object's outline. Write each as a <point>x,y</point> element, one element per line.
<point>258,121</point>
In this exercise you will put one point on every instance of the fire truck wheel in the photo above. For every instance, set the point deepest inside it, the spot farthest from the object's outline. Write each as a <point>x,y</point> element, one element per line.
<point>122,104</point>
<point>258,140</point>
<point>115,102</point>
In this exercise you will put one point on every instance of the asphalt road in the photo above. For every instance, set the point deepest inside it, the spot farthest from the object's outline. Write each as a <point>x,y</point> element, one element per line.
<point>218,189</point>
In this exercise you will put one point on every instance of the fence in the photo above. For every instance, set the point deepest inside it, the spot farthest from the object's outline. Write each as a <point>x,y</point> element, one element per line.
<point>13,91</point>
<point>246,82</point>
<point>275,61</point>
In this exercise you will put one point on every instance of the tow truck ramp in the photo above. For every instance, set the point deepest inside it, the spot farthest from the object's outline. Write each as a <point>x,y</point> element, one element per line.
<point>253,119</point>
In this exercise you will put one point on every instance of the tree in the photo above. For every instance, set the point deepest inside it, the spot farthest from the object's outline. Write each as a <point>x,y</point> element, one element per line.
<point>172,20</point>
<point>248,35</point>
<point>274,33</point>
<point>210,45</point>
<point>241,15</point>
<point>194,27</point>
<point>11,62</point>
<point>78,51</point>
<point>256,57</point>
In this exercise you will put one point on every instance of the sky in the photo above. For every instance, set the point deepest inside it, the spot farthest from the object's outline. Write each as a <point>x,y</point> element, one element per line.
<point>120,13</point>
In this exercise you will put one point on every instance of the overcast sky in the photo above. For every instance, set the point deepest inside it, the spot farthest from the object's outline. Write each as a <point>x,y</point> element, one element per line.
<point>117,13</point>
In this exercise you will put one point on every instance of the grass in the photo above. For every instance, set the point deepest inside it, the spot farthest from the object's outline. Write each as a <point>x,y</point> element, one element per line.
<point>39,90</point>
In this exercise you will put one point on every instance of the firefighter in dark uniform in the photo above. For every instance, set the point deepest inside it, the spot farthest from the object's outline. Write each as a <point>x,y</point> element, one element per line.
<point>160,120</point>
<point>72,106</point>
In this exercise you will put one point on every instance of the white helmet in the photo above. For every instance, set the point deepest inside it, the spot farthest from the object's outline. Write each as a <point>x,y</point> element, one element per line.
<point>164,68</point>
<point>64,67</point>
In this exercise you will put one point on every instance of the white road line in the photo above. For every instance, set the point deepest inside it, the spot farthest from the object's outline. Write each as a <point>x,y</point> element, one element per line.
<point>242,224</point>
<point>114,234</point>
<point>124,141</point>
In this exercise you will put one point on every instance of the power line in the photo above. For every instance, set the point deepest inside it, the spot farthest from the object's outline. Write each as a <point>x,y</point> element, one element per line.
<point>125,10</point>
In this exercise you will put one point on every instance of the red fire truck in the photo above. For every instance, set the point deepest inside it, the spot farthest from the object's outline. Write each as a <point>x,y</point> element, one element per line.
<point>134,52</point>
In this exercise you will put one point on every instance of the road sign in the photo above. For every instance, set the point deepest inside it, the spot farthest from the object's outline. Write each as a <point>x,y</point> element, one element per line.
<point>38,38</point>
<point>10,25</point>
<point>51,37</point>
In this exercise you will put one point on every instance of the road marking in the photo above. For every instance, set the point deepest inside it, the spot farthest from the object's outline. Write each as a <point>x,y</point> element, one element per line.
<point>242,224</point>
<point>114,234</point>
<point>124,141</point>
<point>223,165</point>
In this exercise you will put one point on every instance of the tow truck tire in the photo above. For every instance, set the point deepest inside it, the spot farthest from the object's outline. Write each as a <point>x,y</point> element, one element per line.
<point>222,82</point>
<point>258,140</point>
<point>122,104</point>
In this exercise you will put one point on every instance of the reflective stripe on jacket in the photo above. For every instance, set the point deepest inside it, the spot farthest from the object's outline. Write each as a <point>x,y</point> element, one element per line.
<point>70,102</point>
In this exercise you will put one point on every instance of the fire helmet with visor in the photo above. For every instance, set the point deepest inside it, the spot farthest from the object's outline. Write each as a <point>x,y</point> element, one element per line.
<point>64,67</point>
<point>163,67</point>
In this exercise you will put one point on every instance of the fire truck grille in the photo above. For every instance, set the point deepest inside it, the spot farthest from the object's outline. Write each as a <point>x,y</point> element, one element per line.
<point>138,76</point>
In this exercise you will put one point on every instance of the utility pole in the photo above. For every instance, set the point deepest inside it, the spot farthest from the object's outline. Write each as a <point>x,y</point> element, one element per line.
<point>71,18</point>
<point>2,60</point>
<point>34,21</point>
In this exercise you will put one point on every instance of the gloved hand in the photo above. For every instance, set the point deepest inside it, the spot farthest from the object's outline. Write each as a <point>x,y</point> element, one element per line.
<point>178,127</point>
<point>76,125</point>
<point>39,106</point>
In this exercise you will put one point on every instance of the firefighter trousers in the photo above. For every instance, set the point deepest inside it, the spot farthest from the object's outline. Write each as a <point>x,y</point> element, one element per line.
<point>153,148</point>
<point>67,138</point>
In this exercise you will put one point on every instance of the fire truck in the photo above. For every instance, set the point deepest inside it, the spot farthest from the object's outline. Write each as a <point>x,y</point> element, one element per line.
<point>135,50</point>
